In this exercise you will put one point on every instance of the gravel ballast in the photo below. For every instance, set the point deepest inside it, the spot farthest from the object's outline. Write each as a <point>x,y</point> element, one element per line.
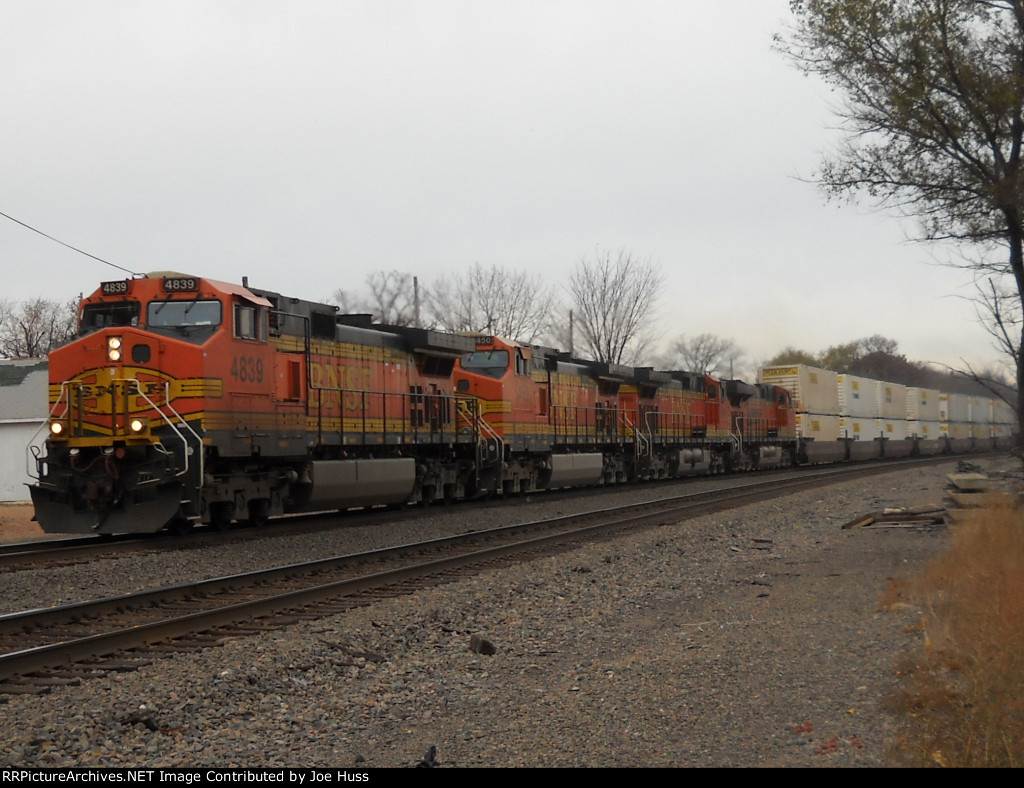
<point>749,638</point>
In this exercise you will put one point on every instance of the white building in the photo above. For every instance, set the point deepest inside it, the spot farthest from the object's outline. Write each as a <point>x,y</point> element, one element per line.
<point>23,410</point>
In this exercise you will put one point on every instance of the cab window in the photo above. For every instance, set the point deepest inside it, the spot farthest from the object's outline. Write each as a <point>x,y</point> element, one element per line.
<point>522,368</point>
<point>119,313</point>
<point>183,314</point>
<point>250,322</point>
<point>492,363</point>
<point>194,320</point>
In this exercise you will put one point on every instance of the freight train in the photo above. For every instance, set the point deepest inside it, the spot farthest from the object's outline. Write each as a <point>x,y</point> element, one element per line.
<point>186,400</point>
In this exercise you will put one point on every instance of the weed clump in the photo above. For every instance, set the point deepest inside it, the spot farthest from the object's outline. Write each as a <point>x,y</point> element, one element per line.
<point>961,697</point>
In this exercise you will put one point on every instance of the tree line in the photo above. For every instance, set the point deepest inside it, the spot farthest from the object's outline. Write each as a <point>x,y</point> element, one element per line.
<point>31,329</point>
<point>878,357</point>
<point>605,310</point>
<point>605,313</point>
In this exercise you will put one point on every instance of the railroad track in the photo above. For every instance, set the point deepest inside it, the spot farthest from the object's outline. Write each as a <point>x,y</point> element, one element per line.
<point>64,552</point>
<point>58,551</point>
<point>45,551</point>
<point>59,645</point>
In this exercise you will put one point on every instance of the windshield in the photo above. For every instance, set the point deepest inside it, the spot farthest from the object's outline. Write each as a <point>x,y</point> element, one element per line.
<point>492,363</point>
<point>119,313</point>
<point>173,314</point>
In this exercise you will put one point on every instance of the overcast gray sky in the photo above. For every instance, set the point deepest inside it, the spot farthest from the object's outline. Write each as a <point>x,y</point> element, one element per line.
<point>307,144</point>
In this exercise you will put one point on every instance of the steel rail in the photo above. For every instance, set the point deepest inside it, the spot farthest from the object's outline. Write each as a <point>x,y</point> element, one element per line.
<point>554,532</point>
<point>26,554</point>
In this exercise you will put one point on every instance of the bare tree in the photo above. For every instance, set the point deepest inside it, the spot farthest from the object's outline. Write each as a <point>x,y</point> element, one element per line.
<point>705,353</point>
<point>33,328</point>
<point>394,297</point>
<point>6,308</point>
<point>613,301</point>
<point>391,297</point>
<point>932,96</point>
<point>561,332</point>
<point>492,299</point>
<point>1000,312</point>
<point>876,343</point>
<point>451,305</point>
<point>349,303</point>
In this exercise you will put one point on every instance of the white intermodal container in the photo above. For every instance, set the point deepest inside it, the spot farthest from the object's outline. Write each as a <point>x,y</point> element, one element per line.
<point>858,396</point>
<point>981,409</point>
<point>1002,413</point>
<point>817,427</point>
<point>893,429</point>
<point>927,430</point>
<point>814,390</point>
<point>858,429</point>
<point>957,430</point>
<point>955,407</point>
<point>922,404</point>
<point>892,400</point>
<point>983,413</point>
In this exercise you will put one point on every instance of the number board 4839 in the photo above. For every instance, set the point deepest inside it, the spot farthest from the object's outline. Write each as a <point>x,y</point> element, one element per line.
<point>181,284</point>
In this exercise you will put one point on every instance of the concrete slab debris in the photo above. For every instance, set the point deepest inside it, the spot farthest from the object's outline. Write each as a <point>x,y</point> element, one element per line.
<point>970,482</point>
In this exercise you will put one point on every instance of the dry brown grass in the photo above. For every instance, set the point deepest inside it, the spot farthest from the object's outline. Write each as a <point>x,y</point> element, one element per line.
<point>961,701</point>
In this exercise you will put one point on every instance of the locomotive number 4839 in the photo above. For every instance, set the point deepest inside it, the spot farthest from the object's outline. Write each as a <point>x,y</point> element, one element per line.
<point>180,284</point>
<point>247,369</point>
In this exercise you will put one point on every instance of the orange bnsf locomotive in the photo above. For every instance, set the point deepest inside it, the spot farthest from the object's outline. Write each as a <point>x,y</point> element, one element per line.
<point>185,400</point>
<point>560,421</point>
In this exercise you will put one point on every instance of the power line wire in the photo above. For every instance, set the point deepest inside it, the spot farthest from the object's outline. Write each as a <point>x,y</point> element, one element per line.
<point>69,246</point>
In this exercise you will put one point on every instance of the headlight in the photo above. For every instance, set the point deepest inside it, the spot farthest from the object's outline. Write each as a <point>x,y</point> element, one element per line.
<point>114,348</point>
<point>56,428</point>
<point>137,425</point>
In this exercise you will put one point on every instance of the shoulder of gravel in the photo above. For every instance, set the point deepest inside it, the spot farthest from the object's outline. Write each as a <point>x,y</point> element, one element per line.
<point>653,648</point>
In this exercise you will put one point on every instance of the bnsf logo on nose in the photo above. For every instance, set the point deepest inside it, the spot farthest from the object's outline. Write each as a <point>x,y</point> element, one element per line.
<point>96,394</point>
<point>120,389</point>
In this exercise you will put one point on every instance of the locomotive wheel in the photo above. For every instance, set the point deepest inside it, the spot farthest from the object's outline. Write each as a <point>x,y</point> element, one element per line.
<point>180,526</point>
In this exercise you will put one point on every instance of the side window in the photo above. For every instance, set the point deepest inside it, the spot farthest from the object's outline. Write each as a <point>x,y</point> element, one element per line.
<point>250,322</point>
<point>245,322</point>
